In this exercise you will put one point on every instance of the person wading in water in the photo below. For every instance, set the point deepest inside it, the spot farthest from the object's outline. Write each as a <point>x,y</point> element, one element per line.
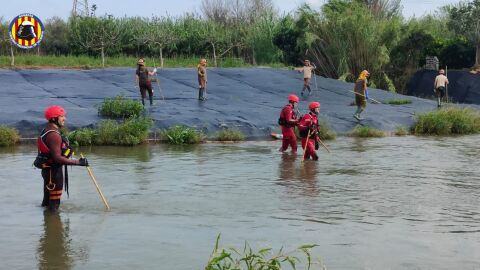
<point>309,130</point>
<point>307,70</point>
<point>53,152</point>
<point>361,94</point>
<point>202,79</point>
<point>440,85</point>
<point>142,78</point>
<point>288,120</point>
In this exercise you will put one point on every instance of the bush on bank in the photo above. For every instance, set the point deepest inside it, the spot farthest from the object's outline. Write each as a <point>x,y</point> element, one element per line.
<point>181,135</point>
<point>120,107</point>
<point>8,136</point>
<point>448,121</point>
<point>366,132</point>
<point>230,135</point>
<point>131,132</point>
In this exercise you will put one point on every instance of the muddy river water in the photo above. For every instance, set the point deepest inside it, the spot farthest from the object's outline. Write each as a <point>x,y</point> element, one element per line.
<point>389,203</point>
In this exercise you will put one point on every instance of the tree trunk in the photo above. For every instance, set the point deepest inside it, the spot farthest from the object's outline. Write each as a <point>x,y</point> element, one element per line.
<point>161,57</point>
<point>103,56</point>
<point>214,55</point>
<point>12,56</point>
<point>477,58</point>
<point>254,61</point>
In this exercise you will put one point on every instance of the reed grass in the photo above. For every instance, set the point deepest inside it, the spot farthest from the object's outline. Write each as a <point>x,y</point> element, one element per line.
<point>8,136</point>
<point>181,135</point>
<point>120,107</point>
<point>448,121</point>
<point>366,132</point>
<point>229,135</point>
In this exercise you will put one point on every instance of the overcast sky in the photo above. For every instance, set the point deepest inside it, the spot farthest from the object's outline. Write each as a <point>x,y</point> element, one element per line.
<point>45,9</point>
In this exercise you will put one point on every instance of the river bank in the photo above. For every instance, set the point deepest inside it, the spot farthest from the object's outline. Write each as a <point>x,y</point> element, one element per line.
<point>247,99</point>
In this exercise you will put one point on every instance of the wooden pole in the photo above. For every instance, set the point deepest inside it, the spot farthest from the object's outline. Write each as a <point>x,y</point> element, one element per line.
<point>374,100</point>
<point>96,185</point>
<point>306,145</point>
<point>328,150</point>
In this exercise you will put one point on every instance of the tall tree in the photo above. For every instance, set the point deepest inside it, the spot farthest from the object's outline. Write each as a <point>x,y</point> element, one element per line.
<point>464,19</point>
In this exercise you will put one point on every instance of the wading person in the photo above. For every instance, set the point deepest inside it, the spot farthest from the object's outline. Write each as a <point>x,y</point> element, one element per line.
<point>440,85</point>
<point>307,70</point>
<point>288,120</point>
<point>202,79</point>
<point>309,129</point>
<point>361,93</point>
<point>142,78</point>
<point>53,152</point>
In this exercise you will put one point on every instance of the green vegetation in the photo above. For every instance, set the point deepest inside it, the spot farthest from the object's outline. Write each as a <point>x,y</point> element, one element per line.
<point>342,38</point>
<point>229,135</point>
<point>8,136</point>
<point>263,259</point>
<point>82,136</point>
<point>120,107</point>
<point>366,132</point>
<point>325,132</point>
<point>133,131</point>
<point>397,101</point>
<point>181,135</point>
<point>448,121</point>
<point>401,131</point>
<point>90,62</point>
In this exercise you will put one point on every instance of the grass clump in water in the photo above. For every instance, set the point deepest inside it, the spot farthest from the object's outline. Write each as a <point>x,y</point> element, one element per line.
<point>82,136</point>
<point>401,131</point>
<point>181,135</point>
<point>397,101</point>
<point>120,107</point>
<point>262,259</point>
<point>366,132</point>
<point>326,133</point>
<point>448,121</point>
<point>8,136</point>
<point>230,135</point>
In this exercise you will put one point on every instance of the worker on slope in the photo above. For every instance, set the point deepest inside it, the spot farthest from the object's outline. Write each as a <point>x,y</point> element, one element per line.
<point>142,78</point>
<point>307,70</point>
<point>54,151</point>
<point>440,86</point>
<point>361,93</point>
<point>309,131</point>
<point>288,120</point>
<point>202,79</point>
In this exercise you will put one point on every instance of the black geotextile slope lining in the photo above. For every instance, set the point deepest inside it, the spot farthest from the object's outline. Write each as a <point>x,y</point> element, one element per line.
<point>246,99</point>
<point>464,86</point>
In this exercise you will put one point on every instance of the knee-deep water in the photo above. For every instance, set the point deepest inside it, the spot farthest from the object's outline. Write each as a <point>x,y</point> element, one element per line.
<point>388,203</point>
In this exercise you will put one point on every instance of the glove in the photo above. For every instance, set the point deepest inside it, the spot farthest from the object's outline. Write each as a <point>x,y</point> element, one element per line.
<point>82,162</point>
<point>366,94</point>
<point>155,70</point>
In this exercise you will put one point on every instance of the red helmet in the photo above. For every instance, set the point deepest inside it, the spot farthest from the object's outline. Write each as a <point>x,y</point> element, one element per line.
<point>293,98</point>
<point>54,111</point>
<point>313,105</point>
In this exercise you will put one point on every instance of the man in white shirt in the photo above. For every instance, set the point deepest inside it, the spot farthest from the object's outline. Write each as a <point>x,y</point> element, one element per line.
<point>440,86</point>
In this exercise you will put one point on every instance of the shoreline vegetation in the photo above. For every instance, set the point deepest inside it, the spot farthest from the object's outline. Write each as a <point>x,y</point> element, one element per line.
<point>136,130</point>
<point>84,62</point>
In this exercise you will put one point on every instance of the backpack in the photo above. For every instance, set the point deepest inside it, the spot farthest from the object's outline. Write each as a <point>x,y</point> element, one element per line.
<point>142,75</point>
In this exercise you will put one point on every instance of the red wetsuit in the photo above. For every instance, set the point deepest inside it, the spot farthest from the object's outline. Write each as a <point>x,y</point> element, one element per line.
<point>309,122</point>
<point>288,129</point>
<point>52,145</point>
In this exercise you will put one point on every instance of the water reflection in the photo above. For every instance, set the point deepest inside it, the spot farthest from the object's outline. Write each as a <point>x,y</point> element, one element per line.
<point>54,251</point>
<point>358,145</point>
<point>302,178</point>
<point>142,153</point>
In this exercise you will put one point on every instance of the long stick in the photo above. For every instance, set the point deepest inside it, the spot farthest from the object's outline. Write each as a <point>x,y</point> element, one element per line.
<point>328,150</point>
<point>374,100</point>
<point>96,185</point>
<point>306,145</point>
<point>158,83</point>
